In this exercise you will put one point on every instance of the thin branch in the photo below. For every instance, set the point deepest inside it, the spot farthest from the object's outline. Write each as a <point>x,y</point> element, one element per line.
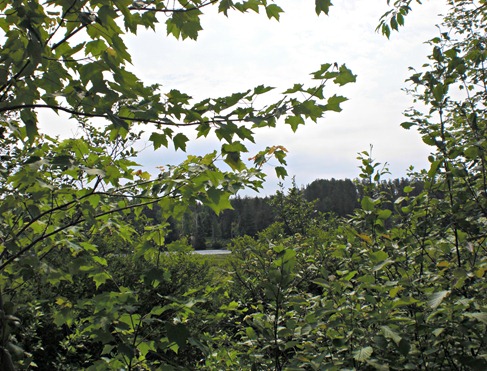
<point>63,18</point>
<point>165,10</point>
<point>131,119</point>
<point>66,226</point>
<point>67,37</point>
<point>81,220</point>
<point>7,86</point>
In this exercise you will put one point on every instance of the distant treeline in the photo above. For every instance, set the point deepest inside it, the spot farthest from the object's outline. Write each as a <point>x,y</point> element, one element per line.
<point>206,230</point>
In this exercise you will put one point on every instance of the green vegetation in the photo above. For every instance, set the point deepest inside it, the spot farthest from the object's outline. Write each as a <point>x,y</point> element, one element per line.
<point>93,277</point>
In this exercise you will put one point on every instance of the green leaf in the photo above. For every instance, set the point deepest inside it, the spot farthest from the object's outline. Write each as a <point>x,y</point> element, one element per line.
<point>349,276</point>
<point>404,347</point>
<point>439,91</point>
<point>261,89</point>
<point>378,256</point>
<point>273,11</point>
<point>281,172</point>
<point>100,278</point>
<point>404,301</point>
<point>250,332</point>
<point>180,141</point>
<point>236,147</point>
<point>435,300</point>
<point>363,354</point>
<point>294,122</point>
<point>333,103</point>
<point>322,6</point>
<point>384,214</point>
<point>218,200</point>
<point>367,204</point>
<point>479,316</point>
<point>472,152</point>
<point>158,140</point>
<point>177,333</point>
<point>294,89</point>
<point>408,125</point>
<point>390,334</point>
<point>345,76</point>
<point>224,6</point>
<point>184,24</point>
<point>117,121</point>
<point>30,120</point>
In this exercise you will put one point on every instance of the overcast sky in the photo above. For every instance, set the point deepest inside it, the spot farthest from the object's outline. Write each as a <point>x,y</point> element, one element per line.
<point>245,50</point>
<point>242,51</point>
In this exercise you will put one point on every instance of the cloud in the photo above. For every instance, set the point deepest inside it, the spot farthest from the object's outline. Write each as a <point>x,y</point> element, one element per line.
<point>244,50</point>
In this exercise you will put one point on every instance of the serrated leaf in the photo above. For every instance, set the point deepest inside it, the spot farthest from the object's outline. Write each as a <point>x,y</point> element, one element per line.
<point>261,89</point>
<point>333,103</point>
<point>224,6</point>
<point>180,141</point>
<point>233,160</point>
<point>345,76</point>
<point>158,140</point>
<point>294,89</point>
<point>100,278</point>
<point>218,200</point>
<point>281,172</point>
<point>322,6</point>
<point>294,122</point>
<point>273,11</point>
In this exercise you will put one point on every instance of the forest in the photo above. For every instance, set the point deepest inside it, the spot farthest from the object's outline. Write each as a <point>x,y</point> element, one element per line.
<point>96,269</point>
<point>203,229</point>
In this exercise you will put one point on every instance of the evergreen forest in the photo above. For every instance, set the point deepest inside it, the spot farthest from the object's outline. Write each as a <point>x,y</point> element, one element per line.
<point>97,270</point>
<point>201,228</point>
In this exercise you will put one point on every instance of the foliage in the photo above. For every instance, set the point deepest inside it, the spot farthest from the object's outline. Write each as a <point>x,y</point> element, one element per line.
<point>68,206</point>
<point>293,210</point>
<point>395,17</point>
<point>402,282</point>
<point>88,278</point>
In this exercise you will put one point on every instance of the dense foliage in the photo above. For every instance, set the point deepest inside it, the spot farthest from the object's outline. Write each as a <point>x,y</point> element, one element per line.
<point>250,215</point>
<point>90,281</point>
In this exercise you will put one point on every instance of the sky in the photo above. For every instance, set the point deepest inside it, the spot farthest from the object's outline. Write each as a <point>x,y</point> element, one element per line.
<point>241,51</point>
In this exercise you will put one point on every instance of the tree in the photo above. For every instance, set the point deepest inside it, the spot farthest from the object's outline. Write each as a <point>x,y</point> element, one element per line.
<point>69,57</point>
<point>336,195</point>
<point>402,288</point>
<point>297,214</point>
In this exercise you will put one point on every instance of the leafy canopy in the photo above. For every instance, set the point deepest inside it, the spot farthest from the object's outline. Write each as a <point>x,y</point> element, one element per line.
<point>59,197</point>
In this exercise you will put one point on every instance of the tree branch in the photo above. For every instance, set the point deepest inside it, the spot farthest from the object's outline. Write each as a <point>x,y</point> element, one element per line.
<point>131,119</point>
<point>165,10</point>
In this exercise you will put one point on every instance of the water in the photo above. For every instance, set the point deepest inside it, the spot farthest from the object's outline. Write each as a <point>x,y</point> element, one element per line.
<point>212,252</point>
